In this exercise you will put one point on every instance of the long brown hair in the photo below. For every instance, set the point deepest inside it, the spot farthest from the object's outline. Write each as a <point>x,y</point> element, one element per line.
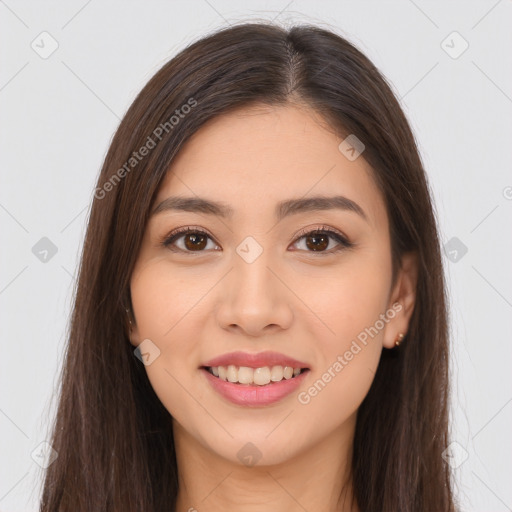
<point>112,434</point>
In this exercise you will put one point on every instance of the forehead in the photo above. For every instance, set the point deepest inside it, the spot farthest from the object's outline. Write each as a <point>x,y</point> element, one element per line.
<point>255,157</point>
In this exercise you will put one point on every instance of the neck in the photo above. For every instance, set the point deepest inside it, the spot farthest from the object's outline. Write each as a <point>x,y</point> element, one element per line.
<point>318,478</point>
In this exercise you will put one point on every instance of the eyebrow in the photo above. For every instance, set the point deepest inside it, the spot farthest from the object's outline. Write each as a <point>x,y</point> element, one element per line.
<point>282,210</point>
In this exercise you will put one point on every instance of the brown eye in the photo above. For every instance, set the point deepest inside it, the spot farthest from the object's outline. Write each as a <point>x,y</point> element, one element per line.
<point>195,241</point>
<point>317,241</point>
<point>191,240</point>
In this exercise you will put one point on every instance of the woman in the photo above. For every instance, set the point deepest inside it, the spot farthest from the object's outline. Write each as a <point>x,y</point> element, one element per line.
<point>260,321</point>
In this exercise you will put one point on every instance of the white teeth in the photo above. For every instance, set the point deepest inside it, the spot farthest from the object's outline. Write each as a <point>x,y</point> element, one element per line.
<point>259,376</point>
<point>232,373</point>
<point>222,372</point>
<point>245,375</point>
<point>262,376</point>
<point>276,374</point>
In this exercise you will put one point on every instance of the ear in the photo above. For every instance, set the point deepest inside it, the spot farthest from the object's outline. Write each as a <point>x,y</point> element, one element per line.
<point>402,299</point>
<point>132,331</point>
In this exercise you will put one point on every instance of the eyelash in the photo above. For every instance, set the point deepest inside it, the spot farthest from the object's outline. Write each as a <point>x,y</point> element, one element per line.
<point>338,237</point>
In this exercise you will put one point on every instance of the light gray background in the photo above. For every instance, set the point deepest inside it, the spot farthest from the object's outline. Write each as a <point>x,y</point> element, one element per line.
<point>58,117</point>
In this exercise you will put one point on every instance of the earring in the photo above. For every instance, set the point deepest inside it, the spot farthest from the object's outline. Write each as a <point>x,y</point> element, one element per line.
<point>399,339</point>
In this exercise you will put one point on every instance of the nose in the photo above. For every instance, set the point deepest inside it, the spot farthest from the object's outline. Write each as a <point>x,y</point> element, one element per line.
<point>254,299</point>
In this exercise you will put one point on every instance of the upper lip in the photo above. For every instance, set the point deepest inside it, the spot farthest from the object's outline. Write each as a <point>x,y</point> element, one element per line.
<point>258,360</point>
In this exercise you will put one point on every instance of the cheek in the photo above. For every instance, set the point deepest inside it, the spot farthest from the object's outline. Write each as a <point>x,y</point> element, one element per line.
<point>350,299</point>
<point>350,305</point>
<point>163,298</point>
<point>165,314</point>
<point>349,350</point>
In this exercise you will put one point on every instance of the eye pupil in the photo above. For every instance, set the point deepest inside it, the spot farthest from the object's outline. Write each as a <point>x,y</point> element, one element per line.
<point>197,240</point>
<point>323,238</point>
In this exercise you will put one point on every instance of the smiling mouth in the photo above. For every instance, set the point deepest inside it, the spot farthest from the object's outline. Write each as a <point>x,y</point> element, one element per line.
<point>247,376</point>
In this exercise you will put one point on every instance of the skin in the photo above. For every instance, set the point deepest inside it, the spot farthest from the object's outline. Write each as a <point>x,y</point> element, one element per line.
<point>294,300</point>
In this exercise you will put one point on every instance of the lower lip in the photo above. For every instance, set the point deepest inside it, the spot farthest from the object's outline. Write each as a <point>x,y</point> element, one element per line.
<point>254,396</point>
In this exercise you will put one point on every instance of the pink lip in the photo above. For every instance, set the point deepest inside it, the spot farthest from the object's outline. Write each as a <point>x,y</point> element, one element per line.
<point>254,396</point>
<point>255,360</point>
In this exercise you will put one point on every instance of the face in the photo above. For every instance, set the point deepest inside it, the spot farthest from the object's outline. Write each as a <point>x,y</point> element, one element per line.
<point>266,275</point>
